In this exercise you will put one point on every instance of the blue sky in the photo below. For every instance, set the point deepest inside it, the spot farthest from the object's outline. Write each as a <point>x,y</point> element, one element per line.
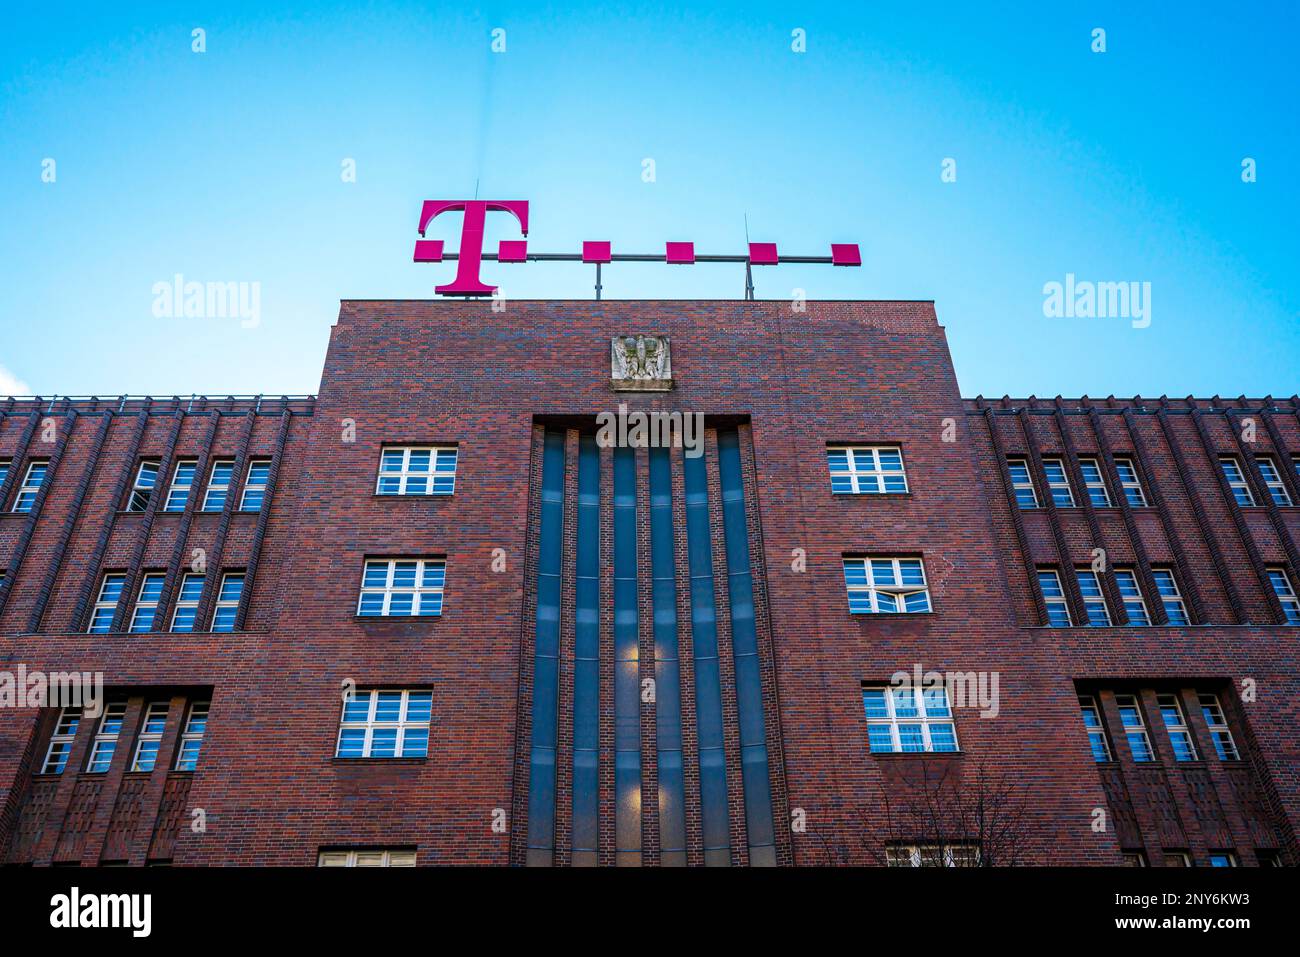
<point>225,166</point>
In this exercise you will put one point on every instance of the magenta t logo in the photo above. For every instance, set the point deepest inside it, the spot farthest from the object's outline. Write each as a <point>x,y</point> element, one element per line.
<point>467,282</point>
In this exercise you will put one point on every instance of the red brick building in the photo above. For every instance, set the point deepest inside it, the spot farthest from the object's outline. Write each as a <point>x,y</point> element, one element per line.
<point>434,616</point>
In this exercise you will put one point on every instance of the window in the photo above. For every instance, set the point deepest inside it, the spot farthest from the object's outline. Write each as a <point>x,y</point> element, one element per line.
<point>1269,858</point>
<point>1097,739</point>
<point>1095,483</point>
<point>1282,587</point>
<point>1093,600</point>
<point>110,729</point>
<point>1180,736</point>
<point>182,482</point>
<point>1130,483</point>
<point>402,586</point>
<point>1177,859</point>
<point>416,470</point>
<point>259,473</point>
<point>1223,859</point>
<point>187,602</point>
<point>4,470</point>
<point>374,858</point>
<point>1022,484</point>
<point>223,615</point>
<point>1217,725</point>
<point>146,603</point>
<point>1273,479</point>
<point>932,855</point>
<point>110,592</point>
<point>866,470</point>
<point>214,499</point>
<point>1134,606</point>
<point>385,724</point>
<point>150,736</point>
<point>1058,484</point>
<point>56,757</point>
<point>886,586</point>
<point>187,753</point>
<point>32,483</point>
<point>146,477</point>
<point>909,720</point>
<point>1133,858</point>
<point>1170,597</point>
<point>1237,481</point>
<point>1058,609</point>
<point>1130,716</point>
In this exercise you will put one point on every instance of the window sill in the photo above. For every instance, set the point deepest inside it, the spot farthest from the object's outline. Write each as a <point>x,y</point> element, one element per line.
<point>869,615</point>
<point>917,754</point>
<point>426,495</point>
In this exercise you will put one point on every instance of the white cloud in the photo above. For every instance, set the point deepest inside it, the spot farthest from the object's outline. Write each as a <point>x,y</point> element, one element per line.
<point>10,384</point>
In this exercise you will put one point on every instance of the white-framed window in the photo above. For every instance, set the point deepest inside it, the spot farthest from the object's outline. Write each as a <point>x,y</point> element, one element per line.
<point>1134,605</point>
<point>1217,724</point>
<point>398,587</point>
<point>1095,483</point>
<point>255,482</point>
<point>1058,483</point>
<point>1223,859</point>
<point>1237,481</point>
<point>1178,859</point>
<point>1273,479</point>
<point>1180,735</point>
<point>187,601</point>
<point>227,604</point>
<point>1129,482</point>
<point>1097,739</point>
<point>1133,858</point>
<point>105,744</point>
<point>146,479</point>
<point>1135,730</point>
<point>146,602</point>
<point>909,719</point>
<point>218,490</point>
<point>866,469</point>
<point>417,470</point>
<point>150,736</point>
<point>932,855</point>
<point>366,858</point>
<point>65,730</point>
<point>878,585</point>
<point>1286,595</point>
<point>1022,483</point>
<point>110,593</point>
<point>385,724</point>
<point>1170,596</point>
<point>32,482</point>
<point>196,724</point>
<point>178,493</point>
<point>1093,599</point>
<point>1058,608</point>
<point>4,470</point>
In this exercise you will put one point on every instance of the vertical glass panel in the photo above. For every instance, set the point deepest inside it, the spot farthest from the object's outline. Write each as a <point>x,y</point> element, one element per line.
<point>627,677</point>
<point>668,719</point>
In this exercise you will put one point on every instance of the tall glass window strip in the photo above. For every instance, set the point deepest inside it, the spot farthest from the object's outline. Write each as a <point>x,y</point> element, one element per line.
<point>1022,483</point>
<point>227,605</point>
<point>178,493</point>
<point>372,858</point>
<point>744,642</point>
<point>4,471</point>
<point>546,650</point>
<point>196,725</point>
<point>1058,609</point>
<point>1134,605</point>
<point>708,682</point>
<point>146,602</point>
<point>1237,481</point>
<point>1170,596</point>
<point>1097,739</point>
<point>1130,483</point>
<point>1135,731</point>
<point>586,667</point>
<point>187,602</point>
<point>398,587</point>
<point>1273,480</point>
<point>31,486</point>
<point>146,478</point>
<point>1058,483</point>
<point>255,482</point>
<point>417,470</point>
<point>106,738</point>
<point>886,585</point>
<point>932,855</point>
<point>385,724</point>
<point>627,664</point>
<point>110,593</point>
<point>149,739</point>
<point>1095,483</point>
<point>866,470</point>
<point>214,499</point>
<point>1180,736</point>
<point>1217,725</point>
<point>909,719</point>
<point>65,731</point>
<point>1286,595</point>
<point>1093,599</point>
